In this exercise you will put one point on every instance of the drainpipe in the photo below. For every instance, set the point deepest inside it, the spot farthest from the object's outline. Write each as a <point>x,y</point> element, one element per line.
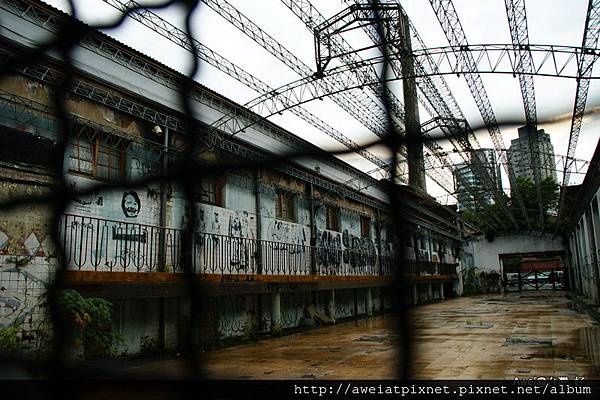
<point>162,306</point>
<point>257,181</point>
<point>378,233</point>
<point>163,205</point>
<point>259,263</point>
<point>313,229</point>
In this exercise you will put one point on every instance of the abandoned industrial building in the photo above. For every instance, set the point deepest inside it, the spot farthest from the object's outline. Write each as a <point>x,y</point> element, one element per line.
<point>277,244</point>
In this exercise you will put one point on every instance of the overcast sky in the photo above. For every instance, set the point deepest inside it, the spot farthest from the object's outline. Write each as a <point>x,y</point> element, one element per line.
<point>558,22</point>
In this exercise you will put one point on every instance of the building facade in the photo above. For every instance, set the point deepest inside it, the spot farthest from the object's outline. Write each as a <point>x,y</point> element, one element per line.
<point>467,181</point>
<point>519,155</point>
<point>266,242</point>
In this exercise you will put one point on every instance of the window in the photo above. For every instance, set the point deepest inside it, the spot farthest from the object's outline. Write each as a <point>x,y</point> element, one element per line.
<point>284,206</point>
<point>211,191</point>
<point>333,219</point>
<point>93,158</point>
<point>365,226</point>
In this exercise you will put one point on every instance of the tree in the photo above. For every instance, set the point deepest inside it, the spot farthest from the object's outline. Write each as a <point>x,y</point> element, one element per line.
<point>528,192</point>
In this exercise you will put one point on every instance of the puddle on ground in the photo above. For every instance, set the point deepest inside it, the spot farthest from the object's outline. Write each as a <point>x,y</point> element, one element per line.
<point>525,341</point>
<point>478,325</point>
<point>590,341</point>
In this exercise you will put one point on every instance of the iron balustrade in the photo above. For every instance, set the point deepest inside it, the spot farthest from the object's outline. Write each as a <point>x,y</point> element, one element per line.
<point>421,267</point>
<point>109,245</point>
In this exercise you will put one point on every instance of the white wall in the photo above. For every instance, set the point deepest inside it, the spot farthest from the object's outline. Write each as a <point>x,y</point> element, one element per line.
<point>486,254</point>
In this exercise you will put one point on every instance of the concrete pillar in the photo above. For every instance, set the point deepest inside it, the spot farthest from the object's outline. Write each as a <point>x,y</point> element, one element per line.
<point>369,302</point>
<point>275,313</point>
<point>442,291</point>
<point>415,294</point>
<point>412,125</point>
<point>331,305</point>
<point>430,291</point>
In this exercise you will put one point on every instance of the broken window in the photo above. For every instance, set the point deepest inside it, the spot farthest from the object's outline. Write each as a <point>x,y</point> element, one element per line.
<point>211,191</point>
<point>93,158</point>
<point>333,219</point>
<point>284,206</point>
<point>365,226</point>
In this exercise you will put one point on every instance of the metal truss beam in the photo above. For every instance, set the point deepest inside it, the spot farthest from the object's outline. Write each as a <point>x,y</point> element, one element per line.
<point>180,38</point>
<point>584,74</point>
<point>103,46</point>
<point>311,17</point>
<point>357,103</point>
<point>517,23</point>
<point>221,140</point>
<point>367,14</point>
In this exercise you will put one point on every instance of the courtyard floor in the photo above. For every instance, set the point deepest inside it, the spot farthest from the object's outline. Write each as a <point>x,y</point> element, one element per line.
<point>533,334</point>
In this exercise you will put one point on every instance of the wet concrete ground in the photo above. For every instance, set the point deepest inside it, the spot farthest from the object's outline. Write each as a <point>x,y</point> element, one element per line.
<point>486,337</point>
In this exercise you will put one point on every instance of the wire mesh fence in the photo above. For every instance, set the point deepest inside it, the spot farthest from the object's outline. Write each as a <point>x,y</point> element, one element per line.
<point>90,165</point>
<point>82,243</point>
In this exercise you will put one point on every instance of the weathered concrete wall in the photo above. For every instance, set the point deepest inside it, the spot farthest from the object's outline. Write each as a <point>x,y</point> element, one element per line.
<point>584,249</point>
<point>485,254</point>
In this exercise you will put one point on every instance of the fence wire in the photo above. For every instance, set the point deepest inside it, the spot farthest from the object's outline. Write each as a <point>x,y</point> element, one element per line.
<point>184,170</point>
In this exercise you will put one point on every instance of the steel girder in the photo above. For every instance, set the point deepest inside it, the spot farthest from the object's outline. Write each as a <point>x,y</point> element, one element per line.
<point>357,103</point>
<point>388,14</point>
<point>517,23</point>
<point>584,73</point>
<point>311,17</point>
<point>368,77</point>
<point>221,140</point>
<point>179,37</point>
<point>98,43</point>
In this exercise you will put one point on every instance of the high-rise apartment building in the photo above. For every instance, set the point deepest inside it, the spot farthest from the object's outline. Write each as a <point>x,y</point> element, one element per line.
<point>519,155</point>
<point>468,182</point>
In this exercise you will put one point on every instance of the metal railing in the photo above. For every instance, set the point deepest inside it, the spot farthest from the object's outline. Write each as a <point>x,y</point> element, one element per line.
<point>109,245</point>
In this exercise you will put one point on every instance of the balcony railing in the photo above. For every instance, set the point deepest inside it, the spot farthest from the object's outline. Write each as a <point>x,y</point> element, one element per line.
<point>106,245</point>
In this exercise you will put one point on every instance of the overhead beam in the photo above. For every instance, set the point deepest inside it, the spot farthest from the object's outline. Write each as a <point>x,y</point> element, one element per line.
<point>584,74</point>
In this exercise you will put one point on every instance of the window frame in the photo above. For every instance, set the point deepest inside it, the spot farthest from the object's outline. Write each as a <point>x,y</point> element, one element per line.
<point>218,186</point>
<point>96,147</point>
<point>333,216</point>
<point>365,223</point>
<point>289,199</point>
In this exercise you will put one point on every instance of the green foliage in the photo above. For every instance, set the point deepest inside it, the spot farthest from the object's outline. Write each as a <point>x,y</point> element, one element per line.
<point>527,190</point>
<point>9,340</point>
<point>480,282</point>
<point>471,284</point>
<point>91,322</point>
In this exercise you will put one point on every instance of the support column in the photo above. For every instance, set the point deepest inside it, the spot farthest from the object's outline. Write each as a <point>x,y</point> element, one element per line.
<point>415,294</point>
<point>331,305</point>
<point>369,302</point>
<point>162,322</point>
<point>442,291</point>
<point>313,229</point>
<point>430,291</point>
<point>164,186</point>
<point>414,144</point>
<point>257,206</point>
<point>276,312</point>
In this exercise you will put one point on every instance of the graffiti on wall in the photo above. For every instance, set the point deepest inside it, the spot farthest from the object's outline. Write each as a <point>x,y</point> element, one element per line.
<point>85,203</point>
<point>229,230</point>
<point>282,234</point>
<point>143,167</point>
<point>329,248</point>
<point>131,204</point>
<point>22,302</point>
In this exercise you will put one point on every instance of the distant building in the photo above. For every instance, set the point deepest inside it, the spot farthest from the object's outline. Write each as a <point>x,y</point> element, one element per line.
<point>463,175</point>
<point>519,155</point>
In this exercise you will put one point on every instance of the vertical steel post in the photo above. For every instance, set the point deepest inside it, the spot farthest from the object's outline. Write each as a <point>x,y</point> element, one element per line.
<point>414,137</point>
<point>257,205</point>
